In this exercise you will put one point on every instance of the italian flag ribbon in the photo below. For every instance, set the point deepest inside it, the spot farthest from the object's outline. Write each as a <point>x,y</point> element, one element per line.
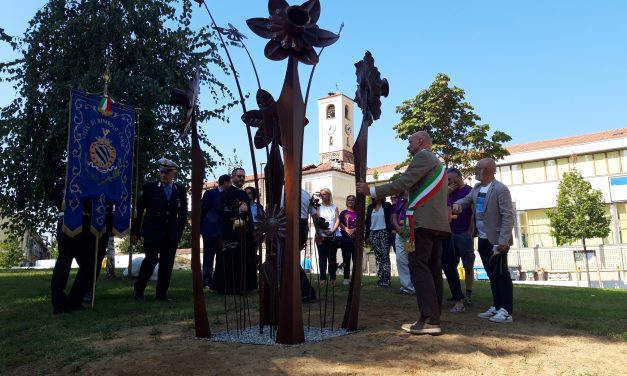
<point>419,197</point>
<point>104,107</point>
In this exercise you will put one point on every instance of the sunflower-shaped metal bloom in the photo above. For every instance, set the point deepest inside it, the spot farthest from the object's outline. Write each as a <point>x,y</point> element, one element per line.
<point>265,119</point>
<point>272,226</point>
<point>292,31</point>
<point>370,87</point>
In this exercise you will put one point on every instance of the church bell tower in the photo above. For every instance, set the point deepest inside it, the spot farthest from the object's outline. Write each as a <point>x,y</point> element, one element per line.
<point>335,128</point>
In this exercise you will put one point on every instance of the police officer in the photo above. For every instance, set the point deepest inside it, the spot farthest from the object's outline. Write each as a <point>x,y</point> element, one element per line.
<point>160,219</point>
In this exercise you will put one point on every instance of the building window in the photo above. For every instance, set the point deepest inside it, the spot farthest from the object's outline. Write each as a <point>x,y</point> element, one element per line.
<point>623,160</point>
<point>517,175</point>
<point>585,164</point>
<point>346,112</point>
<point>550,167</point>
<point>330,111</point>
<point>613,162</point>
<point>563,166</point>
<point>533,172</point>
<point>600,164</point>
<point>506,175</point>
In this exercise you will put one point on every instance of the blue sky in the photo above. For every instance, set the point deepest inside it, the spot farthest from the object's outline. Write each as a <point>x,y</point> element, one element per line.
<point>533,69</point>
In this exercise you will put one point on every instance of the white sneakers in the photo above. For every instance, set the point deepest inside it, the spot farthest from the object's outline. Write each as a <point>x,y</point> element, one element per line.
<point>489,313</point>
<point>500,315</point>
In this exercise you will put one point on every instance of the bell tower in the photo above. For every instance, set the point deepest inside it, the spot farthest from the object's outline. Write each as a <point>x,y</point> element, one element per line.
<point>335,128</point>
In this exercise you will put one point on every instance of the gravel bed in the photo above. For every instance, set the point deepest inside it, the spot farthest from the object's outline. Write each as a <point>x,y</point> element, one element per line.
<point>252,335</point>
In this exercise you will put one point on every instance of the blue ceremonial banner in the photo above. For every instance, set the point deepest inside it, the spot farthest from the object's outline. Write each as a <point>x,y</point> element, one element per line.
<point>100,164</point>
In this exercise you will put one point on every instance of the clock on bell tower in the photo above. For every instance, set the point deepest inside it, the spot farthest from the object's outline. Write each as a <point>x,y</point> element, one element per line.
<point>335,128</point>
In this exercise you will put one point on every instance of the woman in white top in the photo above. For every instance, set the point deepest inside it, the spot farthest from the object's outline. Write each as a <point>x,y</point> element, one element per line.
<point>326,236</point>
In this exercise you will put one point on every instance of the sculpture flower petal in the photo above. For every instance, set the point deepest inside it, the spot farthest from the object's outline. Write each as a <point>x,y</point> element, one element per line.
<point>265,119</point>
<point>370,87</point>
<point>292,31</point>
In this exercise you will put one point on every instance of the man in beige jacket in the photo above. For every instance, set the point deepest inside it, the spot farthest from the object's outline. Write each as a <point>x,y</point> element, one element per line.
<point>494,222</point>
<point>427,208</point>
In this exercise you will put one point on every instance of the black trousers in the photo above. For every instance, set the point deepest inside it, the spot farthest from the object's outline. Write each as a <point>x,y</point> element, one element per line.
<point>82,248</point>
<point>425,267</point>
<point>210,246</point>
<point>162,252</point>
<point>498,273</point>
<point>450,260</point>
<point>348,249</point>
<point>327,254</point>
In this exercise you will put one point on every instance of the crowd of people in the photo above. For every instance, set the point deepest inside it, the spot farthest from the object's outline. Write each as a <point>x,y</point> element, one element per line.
<point>430,226</point>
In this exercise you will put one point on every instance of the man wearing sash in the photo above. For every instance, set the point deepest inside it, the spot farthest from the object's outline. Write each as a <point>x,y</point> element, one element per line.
<point>427,215</point>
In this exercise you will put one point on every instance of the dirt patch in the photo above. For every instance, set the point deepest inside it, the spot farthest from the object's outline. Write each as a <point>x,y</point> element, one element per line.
<point>470,346</point>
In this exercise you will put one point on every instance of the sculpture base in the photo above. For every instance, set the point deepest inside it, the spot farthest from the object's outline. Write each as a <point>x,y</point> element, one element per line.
<point>252,335</point>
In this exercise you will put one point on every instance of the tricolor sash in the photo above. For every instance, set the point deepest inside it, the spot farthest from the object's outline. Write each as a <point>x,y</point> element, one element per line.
<point>416,199</point>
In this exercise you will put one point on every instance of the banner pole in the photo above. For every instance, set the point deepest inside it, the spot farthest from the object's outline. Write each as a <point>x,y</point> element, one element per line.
<point>93,286</point>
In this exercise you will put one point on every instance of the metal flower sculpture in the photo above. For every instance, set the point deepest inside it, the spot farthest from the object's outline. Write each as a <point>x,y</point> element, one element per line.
<point>369,90</point>
<point>231,33</point>
<point>292,31</point>
<point>265,119</point>
<point>272,225</point>
<point>370,87</point>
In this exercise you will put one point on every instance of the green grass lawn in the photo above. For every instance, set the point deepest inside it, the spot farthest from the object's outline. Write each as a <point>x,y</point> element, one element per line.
<point>30,332</point>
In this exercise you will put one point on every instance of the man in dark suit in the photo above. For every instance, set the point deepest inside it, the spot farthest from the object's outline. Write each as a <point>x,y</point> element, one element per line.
<point>236,265</point>
<point>160,219</point>
<point>211,226</point>
<point>428,215</point>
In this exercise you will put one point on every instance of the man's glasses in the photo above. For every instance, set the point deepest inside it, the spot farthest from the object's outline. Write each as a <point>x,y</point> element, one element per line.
<point>241,176</point>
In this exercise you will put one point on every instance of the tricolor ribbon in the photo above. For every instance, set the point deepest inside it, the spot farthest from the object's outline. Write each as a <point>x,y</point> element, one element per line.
<point>419,197</point>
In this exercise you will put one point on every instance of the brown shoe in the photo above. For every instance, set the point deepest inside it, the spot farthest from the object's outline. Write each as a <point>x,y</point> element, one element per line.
<point>422,328</point>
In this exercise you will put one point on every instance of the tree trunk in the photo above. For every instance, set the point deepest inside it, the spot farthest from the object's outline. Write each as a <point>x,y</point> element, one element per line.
<point>585,255</point>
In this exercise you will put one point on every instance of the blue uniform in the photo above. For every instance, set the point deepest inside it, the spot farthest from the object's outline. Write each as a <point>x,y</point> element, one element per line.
<point>160,222</point>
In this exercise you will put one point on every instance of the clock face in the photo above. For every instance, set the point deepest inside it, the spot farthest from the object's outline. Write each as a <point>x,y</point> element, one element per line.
<point>331,129</point>
<point>347,128</point>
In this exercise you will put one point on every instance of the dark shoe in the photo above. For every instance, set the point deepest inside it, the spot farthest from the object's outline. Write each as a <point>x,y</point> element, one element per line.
<point>138,295</point>
<point>403,292</point>
<point>422,328</point>
<point>309,299</point>
<point>165,298</point>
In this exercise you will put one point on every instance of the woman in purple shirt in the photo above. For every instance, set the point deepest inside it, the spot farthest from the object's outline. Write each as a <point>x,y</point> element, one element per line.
<point>348,225</point>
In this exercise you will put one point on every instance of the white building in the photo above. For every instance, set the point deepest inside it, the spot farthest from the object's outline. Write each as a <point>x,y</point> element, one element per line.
<point>533,171</point>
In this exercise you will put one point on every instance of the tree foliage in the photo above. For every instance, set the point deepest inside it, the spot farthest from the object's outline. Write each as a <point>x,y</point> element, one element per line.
<point>11,252</point>
<point>580,211</point>
<point>68,43</point>
<point>457,137</point>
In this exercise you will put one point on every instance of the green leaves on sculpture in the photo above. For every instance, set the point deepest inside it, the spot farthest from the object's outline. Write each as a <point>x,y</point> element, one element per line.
<point>579,213</point>
<point>292,31</point>
<point>458,139</point>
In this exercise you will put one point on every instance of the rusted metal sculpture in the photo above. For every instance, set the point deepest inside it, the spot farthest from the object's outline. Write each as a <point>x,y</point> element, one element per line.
<point>293,34</point>
<point>370,88</point>
<point>187,99</point>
